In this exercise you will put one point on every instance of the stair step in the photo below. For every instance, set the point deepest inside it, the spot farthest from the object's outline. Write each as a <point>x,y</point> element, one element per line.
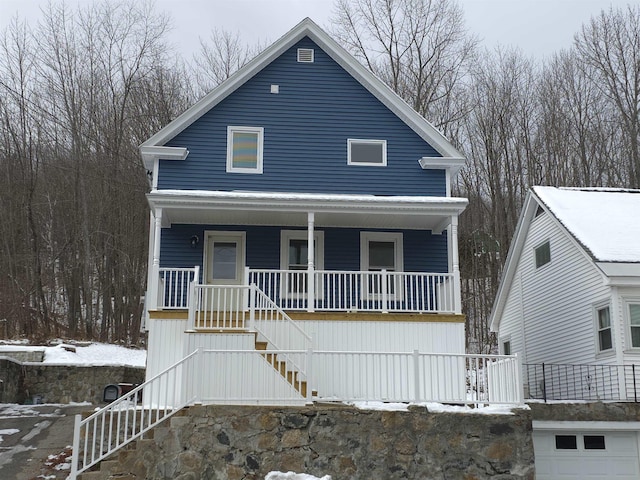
<point>261,345</point>
<point>97,475</point>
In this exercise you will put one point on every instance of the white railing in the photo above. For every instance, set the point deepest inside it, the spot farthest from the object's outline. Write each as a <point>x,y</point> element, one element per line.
<point>173,287</point>
<point>362,291</point>
<point>234,307</point>
<point>293,377</point>
<point>131,415</point>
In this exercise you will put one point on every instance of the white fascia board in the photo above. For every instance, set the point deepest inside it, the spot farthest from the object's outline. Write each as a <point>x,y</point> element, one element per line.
<point>620,269</point>
<point>308,28</point>
<point>453,164</point>
<point>300,202</point>
<point>584,425</point>
<point>151,153</point>
<point>513,258</point>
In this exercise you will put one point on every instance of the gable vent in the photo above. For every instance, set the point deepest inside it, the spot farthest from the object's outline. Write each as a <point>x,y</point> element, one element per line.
<point>305,55</point>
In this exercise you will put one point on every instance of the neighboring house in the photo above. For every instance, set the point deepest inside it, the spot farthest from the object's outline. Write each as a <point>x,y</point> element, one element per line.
<point>569,306</point>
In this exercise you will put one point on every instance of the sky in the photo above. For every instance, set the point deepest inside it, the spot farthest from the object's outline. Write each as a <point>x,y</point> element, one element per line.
<point>537,27</point>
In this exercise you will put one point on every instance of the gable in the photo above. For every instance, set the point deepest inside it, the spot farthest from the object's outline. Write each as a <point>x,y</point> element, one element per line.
<point>307,124</point>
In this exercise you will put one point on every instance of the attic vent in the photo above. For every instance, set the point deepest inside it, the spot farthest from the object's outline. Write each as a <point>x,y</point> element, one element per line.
<point>305,55</point>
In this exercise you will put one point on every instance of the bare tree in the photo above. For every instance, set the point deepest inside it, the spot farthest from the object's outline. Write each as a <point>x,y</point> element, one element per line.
<point>420,48</point>
<point>609,51</point>
<point>220,56</point>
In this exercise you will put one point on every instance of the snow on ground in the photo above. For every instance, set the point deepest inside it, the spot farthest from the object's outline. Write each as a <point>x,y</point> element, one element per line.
<point>94,354</point>
<point>293,476</point>
<point>7,431</point>
<point>434,407</point>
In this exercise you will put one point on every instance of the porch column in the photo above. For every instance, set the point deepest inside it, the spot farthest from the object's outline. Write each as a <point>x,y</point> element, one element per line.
<point>455,263</point>
<point>311,291</point>
<point>154,287</point>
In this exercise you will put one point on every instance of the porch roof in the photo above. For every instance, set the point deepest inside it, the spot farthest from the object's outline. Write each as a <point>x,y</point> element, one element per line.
<point>290,209</point>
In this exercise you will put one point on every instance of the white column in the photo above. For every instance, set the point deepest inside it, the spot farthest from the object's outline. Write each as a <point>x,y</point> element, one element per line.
<point>455,264</point>
<point>311,293</point>
<point>154,278</point>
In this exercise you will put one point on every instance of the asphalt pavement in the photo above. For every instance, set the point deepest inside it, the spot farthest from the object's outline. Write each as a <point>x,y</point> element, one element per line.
<point>35,440</point>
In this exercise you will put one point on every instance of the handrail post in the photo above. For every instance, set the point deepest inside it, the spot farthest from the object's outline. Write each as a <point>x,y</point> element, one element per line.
<point>252,306</point>
<point>385,300</point>
<point>76,447</point>
<point>416,375</point>
<point>544,384</point>
<point>309,374</point>
<point>518,379</point>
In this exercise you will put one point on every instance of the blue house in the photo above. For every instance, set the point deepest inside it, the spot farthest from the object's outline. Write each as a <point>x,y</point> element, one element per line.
<point>303,247</point>
<point>302,206</point>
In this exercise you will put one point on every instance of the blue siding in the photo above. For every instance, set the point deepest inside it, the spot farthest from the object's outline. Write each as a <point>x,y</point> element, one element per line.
<point>306,127</point>
<point>423,252</point>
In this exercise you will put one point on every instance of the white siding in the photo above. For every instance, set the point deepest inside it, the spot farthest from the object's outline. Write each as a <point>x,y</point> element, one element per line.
<point>557,300</point>
<point>165,344</point>
<point>395,336</point>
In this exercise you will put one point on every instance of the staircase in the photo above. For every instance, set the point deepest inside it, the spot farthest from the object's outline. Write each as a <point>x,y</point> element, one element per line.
<point>290,374</point>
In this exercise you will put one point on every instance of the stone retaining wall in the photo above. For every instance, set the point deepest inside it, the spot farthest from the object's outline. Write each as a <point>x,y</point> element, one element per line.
<point>21,382</point>
<point>586,411</point>
<point>24,355</point>
<point>233,443</point>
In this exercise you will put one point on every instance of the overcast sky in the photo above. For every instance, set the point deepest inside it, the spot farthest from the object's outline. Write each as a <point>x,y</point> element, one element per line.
<point>537,27</point>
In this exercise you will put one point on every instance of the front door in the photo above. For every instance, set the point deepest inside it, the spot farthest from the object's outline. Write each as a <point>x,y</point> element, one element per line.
<point>224,258</point>
<point>224,303</point>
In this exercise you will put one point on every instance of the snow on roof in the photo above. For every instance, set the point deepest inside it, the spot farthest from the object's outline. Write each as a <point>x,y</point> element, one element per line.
<point>605,221</point>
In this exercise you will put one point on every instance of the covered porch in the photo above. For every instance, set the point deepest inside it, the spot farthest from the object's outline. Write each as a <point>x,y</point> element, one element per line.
<point>370,253</point>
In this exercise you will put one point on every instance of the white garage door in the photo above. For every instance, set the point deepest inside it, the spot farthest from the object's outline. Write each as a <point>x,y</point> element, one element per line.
<point>577,455</point>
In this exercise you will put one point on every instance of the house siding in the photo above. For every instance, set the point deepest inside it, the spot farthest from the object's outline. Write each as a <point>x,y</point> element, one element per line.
<point>423,252</point>
<point>306,127</point>
<point>558,300</point>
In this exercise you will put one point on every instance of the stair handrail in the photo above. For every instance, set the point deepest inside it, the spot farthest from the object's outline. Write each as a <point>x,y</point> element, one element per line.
<point>122,407</point>
<point>257,295</point>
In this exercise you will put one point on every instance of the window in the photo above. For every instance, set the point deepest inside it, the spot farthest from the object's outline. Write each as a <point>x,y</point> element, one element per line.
<point>594,442</point>
<point>293,258</point>
<point>604,329</point>
<point>506,347</point>
<point>244,149</point>
<point>366,152</point>
<point>566,442</point>
<point>543,254</point>
<point>634,322</point>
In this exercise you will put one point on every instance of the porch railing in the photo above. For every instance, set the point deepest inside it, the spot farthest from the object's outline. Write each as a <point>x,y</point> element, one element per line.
<point>173,287</point>
<point>552,381</point>
<point>362,291</point>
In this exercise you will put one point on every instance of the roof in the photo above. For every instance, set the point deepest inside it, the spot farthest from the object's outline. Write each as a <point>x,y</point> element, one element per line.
<point>338,210</point>
<point>307,28</point>
<point>604,222</point>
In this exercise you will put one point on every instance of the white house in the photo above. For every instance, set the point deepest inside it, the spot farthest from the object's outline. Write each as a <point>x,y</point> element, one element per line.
<point>569,305</point>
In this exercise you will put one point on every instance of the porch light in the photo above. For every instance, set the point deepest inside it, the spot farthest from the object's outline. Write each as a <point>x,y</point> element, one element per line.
<point>194,241</point>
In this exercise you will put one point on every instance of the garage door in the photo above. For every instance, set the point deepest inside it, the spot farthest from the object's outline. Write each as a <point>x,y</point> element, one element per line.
<point>576,455</point>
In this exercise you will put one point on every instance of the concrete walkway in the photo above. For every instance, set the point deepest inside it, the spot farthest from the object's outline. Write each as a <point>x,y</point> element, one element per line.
<point>36,438</point>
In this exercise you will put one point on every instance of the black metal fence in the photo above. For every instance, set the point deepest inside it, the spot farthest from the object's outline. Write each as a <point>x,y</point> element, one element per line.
<point>553,381</point>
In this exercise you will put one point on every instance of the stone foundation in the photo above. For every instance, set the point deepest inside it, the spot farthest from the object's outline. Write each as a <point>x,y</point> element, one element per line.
<point>233,443</point>
<point>21,382</point>
<point>586,411</point>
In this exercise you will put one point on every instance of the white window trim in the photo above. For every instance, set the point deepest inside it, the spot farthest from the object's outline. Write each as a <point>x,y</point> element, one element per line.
<point>535,261</point>
<point>627,302</point>
<point>504,340</point>
<point>231,129</point>
<point>318,241</point>
<point>596,324</point>
<point>397,239</point>
<point>350,141</point>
